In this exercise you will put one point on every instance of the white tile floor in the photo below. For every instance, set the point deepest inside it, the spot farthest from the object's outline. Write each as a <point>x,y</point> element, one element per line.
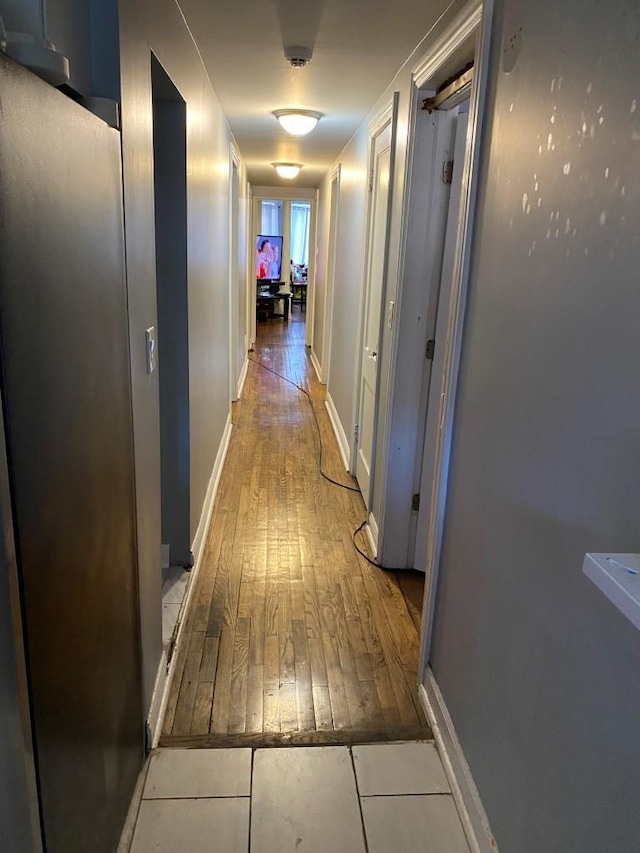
<point>380,798</point>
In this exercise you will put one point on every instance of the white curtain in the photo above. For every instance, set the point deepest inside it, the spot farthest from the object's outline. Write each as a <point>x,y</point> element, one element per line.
<point>271,223</point>
<point>300,218</point>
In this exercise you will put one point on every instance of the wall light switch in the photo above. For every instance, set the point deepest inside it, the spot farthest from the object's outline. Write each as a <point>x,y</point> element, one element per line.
<point>150,336</point>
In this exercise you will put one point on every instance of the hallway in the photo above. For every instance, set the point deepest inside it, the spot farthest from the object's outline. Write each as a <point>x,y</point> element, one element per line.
<point>289,629</point>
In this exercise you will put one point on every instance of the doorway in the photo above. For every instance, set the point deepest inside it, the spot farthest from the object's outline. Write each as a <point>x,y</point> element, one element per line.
<point>170,192</point>
<point>284,236</point>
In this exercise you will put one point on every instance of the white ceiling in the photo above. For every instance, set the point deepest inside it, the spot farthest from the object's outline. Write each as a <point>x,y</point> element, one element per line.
<point>358,46</point>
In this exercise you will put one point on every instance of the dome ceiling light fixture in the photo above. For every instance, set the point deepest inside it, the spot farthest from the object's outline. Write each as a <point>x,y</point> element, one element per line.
<point>287,170</point>
<point>298,122</point>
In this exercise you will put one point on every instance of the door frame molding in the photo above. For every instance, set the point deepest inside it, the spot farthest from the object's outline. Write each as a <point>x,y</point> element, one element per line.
<point>327,328</point>
<point>234,234</point>
<point>286,195</point>
<point>422,197</point>
<point>447,382</point>
<point>387,115</point>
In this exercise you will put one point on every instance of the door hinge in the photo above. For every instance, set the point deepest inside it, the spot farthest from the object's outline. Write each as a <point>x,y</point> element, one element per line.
<point>415,503</point>
<point>356,433</point>
<point>431,346</point>
<point>371,181</point>
<point>447,172</point>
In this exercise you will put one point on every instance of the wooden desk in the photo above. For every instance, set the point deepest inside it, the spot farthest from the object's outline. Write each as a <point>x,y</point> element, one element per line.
<point>266,302</point>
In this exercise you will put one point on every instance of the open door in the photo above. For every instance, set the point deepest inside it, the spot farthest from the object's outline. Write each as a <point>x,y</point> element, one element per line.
<point>444,296</point>
<point>374,291</point>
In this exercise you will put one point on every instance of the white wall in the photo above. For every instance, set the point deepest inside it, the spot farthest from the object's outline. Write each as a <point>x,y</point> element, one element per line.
<point>349,276</point>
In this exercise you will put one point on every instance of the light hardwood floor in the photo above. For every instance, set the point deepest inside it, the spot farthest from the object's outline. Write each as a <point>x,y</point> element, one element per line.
<point>290,630</point>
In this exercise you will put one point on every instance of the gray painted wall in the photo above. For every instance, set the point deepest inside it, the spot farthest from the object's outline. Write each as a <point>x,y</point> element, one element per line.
<point>159,27</point>
<point>539,671</point>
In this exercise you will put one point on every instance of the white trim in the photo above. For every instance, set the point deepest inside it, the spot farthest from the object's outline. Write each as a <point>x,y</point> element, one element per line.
<point>165,555</point>
<point>465,793</point>
<point>158,701</point>
<point>251,271</point>
<point>164,678</point>
<point>234,250</point>
<point>330,267</point>
<point>618,577</point>
<point>243,376</point>
<point>380,121</point>
<point>212,489</point>
<point>446,383</point>
<point>341,438</point>
<point>311,267</point>
<point>371,529</point>
<point>316,366</point>
<point>462,26</point>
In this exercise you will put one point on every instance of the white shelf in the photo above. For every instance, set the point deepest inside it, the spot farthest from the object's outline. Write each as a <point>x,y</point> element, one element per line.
<point>618,577</point>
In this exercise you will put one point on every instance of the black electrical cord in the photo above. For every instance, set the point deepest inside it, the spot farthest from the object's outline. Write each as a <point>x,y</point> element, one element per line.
<point>320,457</point>
<point>315,417</point>
<point>361,552</point>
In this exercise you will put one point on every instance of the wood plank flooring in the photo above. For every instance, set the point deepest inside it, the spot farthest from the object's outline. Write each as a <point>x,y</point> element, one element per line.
<point>289,629</point>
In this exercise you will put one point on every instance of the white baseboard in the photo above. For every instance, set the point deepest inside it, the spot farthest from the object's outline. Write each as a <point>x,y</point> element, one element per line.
<point>212,488</point>
<point>341,438</point>
<point>164,677</point>
<point>472,814</point>
<point>371,529</point>
<point>243,376</point>
<point>158,702</point>
<point>316,366</point>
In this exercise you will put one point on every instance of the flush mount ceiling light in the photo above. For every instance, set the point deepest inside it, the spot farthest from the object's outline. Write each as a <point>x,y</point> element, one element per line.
<point>298,122</point>
<point>287,170</point>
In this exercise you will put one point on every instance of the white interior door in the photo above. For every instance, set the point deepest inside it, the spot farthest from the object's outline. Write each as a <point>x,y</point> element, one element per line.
<point>373,306</point>
<point>446,282</point>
